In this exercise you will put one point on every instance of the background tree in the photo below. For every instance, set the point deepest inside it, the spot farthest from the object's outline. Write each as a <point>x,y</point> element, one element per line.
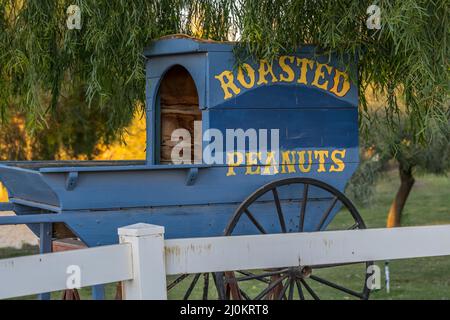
<point>75,130</point>
<point>384,146</point>
<point>13,140</point>
<point>76,88</point>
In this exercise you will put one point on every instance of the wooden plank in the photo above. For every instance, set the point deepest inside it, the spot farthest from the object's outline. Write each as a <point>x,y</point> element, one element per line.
<point>317,248</point>
<point>67,245</point>
<point>48,272</point>
<point>31,218</point>
<point>120,168</point>
<point>71,163</point>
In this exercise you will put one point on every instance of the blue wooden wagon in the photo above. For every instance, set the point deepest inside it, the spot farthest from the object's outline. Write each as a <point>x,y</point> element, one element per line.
<point>233,148</point>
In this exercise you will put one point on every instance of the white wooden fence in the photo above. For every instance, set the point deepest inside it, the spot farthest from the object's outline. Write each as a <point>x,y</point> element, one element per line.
<point>143,257</point>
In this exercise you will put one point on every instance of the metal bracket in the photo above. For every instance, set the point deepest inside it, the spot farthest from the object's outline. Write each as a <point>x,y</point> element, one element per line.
<point>191,176</point>
<point>71,180</point>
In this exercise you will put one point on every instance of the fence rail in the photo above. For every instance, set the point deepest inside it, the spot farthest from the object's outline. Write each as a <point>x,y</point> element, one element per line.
<point>49,272</point>
<point>143,258</point>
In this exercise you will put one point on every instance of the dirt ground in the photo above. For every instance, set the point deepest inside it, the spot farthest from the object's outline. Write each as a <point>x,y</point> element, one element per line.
<point>15,236</point>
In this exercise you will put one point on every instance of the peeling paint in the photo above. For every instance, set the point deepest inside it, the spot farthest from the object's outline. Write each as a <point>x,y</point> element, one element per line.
<point>177,251</point>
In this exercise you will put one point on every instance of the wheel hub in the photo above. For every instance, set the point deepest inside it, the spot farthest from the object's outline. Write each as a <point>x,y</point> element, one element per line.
<point>300,272</point>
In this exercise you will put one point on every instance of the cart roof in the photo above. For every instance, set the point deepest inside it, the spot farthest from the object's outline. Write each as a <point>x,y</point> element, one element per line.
<point>304,78</point>
<point>181,43</point>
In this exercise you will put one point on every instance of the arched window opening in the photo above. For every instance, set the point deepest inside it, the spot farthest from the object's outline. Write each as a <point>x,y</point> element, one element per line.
<point>179,109</point>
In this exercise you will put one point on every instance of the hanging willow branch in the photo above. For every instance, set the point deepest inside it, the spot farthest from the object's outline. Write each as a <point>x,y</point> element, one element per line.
<point>41,60</point>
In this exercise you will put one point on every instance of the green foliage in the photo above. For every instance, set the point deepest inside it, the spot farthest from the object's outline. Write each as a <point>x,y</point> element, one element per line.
<point>407,58</point>
<point>43,65</point>
<point>433,156</point>
<point>361,186</point>
<point>13,140</point>
<point>75,128</point>
<point>41,54</point>
<point>384,145</point>
<point>40,58</point>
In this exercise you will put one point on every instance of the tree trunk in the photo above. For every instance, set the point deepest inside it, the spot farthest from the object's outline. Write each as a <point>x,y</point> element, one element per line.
<point>395,212</point>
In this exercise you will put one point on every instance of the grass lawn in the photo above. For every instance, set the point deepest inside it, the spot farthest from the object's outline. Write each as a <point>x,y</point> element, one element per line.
<point>428,204</point>
<point>425,278</point>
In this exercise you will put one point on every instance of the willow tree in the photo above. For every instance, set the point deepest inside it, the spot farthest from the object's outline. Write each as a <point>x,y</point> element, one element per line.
<point>60,78</point>
<point>384,146</point>
<point>40,58</point>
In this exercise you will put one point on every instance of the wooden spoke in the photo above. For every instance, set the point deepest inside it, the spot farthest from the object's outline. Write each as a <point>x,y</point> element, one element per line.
<point>232,288</point>
<point>355,226</point>
<point>244,295</point>
<point>336,286</point>
<point>255,222</point>
<point>218,282</point>
<point>284,289</point>
<point>327,214</point>
<point>310,291</point>
<point>205,286</point>
<point>279,211</point>
<point>270,288</point>
<point>301,225</point>
<point>291,289</point>
<point>191,287</point>
<point>299,289</point>
<point>177,281</point>
<point>275,292</point>
<point>256,277</point>
<point>252,276</point>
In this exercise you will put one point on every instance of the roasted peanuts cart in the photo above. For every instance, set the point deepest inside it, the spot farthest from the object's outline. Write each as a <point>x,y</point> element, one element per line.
<point>233,148</point>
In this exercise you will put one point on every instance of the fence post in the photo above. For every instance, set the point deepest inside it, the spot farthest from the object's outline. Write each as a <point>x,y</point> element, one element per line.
<point>149,271</point>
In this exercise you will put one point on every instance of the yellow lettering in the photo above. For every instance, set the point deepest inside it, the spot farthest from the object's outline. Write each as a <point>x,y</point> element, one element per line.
<point>270,163</point>
<point>228,85</point>
<point>340,165</point>
<point>304,64</point>
<point>320,75</point>
<point>234,159</point>
<point>288,162</point>
<point>302,161</point>
<point>337,80</point>
<point>321,154</point>
<point>251,160</point>
<point>256,164</point>
<point>250,73</point>
<point>265,68</point>
<point>287,69</point>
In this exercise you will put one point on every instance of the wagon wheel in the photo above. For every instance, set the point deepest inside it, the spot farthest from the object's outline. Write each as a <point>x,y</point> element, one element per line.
<point>197,286</point>
<point>303,282</point>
